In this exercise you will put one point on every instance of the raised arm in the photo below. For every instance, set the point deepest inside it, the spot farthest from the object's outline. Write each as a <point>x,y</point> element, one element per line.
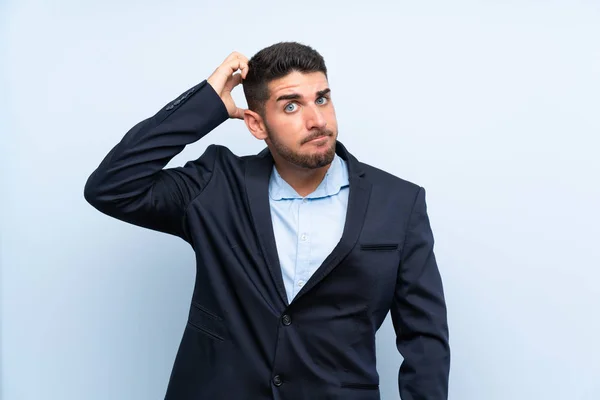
<point>419,313</point>
<point>132,184</point>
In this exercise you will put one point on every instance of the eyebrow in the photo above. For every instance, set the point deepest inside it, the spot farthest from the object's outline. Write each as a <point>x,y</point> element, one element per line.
<point>296,96</point>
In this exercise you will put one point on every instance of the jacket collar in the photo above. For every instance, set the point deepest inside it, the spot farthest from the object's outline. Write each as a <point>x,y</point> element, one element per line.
<point>257,176</point>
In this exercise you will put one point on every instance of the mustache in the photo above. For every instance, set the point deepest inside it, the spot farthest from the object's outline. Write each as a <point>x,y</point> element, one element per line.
<point>317,134</point>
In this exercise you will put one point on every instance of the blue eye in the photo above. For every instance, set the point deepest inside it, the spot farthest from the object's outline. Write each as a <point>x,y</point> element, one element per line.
<point>321,101</point>
<point>290,107</point>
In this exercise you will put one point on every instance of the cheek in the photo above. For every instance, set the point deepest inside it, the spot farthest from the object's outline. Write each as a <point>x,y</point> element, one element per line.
<point>290,129</point>
<point>292,123</point>
<point>330,116</point>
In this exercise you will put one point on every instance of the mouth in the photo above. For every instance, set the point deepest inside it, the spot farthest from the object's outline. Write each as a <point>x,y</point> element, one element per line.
<point>319,139</point>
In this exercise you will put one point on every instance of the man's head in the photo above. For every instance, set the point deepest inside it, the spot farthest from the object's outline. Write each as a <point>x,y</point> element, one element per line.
<point>289,103</point>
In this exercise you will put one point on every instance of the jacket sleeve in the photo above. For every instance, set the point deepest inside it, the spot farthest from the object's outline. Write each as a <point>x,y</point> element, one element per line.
<point>419,313</point>
<point>131,183</point>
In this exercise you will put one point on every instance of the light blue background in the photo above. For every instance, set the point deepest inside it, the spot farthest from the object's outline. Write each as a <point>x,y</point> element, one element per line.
<point>492,106</point>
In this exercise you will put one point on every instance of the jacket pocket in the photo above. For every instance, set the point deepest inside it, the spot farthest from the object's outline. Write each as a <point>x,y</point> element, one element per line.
<point>206,322</point>
<point>379,246</point>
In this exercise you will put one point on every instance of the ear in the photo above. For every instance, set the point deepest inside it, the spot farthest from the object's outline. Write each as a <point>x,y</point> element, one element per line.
<point>255,124</point>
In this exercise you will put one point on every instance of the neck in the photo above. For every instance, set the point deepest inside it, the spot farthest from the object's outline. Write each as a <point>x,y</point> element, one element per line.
<point>303,180</point>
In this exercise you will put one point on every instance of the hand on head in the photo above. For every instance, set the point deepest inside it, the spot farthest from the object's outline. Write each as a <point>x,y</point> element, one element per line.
<point>225,78</point>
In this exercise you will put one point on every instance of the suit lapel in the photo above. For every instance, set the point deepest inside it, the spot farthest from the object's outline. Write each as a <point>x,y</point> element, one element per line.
<point>358,201</point>
<point>257,177</point>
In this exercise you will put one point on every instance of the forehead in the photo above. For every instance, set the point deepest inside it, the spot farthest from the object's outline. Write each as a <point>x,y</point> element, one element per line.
<point>304,84</point>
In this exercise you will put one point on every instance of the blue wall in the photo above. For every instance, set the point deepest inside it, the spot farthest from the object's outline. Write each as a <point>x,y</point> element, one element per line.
<point>493,108</point>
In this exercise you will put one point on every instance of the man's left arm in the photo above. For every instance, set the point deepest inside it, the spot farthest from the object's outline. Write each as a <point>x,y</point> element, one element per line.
<point>419,313</point>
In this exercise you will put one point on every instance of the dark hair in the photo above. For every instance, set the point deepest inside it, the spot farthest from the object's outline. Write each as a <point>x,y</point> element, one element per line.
<point>276,61</point>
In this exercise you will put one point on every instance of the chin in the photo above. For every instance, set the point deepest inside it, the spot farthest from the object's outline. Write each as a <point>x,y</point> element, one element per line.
<point>319,158</point>
<point>311,155</point>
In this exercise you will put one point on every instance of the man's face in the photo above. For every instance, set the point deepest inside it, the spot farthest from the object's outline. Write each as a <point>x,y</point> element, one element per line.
<point>300,119</point>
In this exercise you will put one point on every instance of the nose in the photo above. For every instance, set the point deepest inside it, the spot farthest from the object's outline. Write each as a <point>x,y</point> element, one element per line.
<point>315,118</point>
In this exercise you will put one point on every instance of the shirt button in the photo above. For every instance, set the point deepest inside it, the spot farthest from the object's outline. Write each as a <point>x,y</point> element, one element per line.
<point>286,320</point>
<point>300,283</point>
<point>305,200</point>
<point>304,237</point>
<point>277,380</point>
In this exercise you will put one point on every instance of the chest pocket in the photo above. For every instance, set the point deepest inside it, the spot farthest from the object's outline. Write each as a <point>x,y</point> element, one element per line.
<point>379,246</point>
<point>370,272</point>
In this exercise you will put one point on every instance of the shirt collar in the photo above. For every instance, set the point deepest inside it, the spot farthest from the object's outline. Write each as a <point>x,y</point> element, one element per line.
<point>335,179</point>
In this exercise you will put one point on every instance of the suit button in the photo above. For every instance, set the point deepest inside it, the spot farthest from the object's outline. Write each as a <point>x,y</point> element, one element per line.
<point>286,320</point>
<point>277,380</point>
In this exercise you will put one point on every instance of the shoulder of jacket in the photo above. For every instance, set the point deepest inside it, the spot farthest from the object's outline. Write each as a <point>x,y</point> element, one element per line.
<point>386,178</point>
<point>222,156</point>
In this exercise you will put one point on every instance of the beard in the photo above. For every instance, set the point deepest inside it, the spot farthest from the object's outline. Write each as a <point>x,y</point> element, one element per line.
<point>309,161</point>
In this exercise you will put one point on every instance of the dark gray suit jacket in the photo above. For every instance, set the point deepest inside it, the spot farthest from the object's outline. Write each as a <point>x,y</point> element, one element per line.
<point>242,339</point>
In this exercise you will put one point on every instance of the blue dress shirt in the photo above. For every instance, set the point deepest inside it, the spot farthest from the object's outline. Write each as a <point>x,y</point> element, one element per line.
<point>307,228</point>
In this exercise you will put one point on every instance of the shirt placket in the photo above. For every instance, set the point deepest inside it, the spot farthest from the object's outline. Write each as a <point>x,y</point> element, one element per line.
<point>304,245</point>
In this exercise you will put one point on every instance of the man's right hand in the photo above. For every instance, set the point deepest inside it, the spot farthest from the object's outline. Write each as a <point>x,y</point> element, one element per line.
<point>224,79</point>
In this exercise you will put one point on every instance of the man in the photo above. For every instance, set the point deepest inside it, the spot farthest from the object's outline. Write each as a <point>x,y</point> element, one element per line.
<point>301,250</point>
